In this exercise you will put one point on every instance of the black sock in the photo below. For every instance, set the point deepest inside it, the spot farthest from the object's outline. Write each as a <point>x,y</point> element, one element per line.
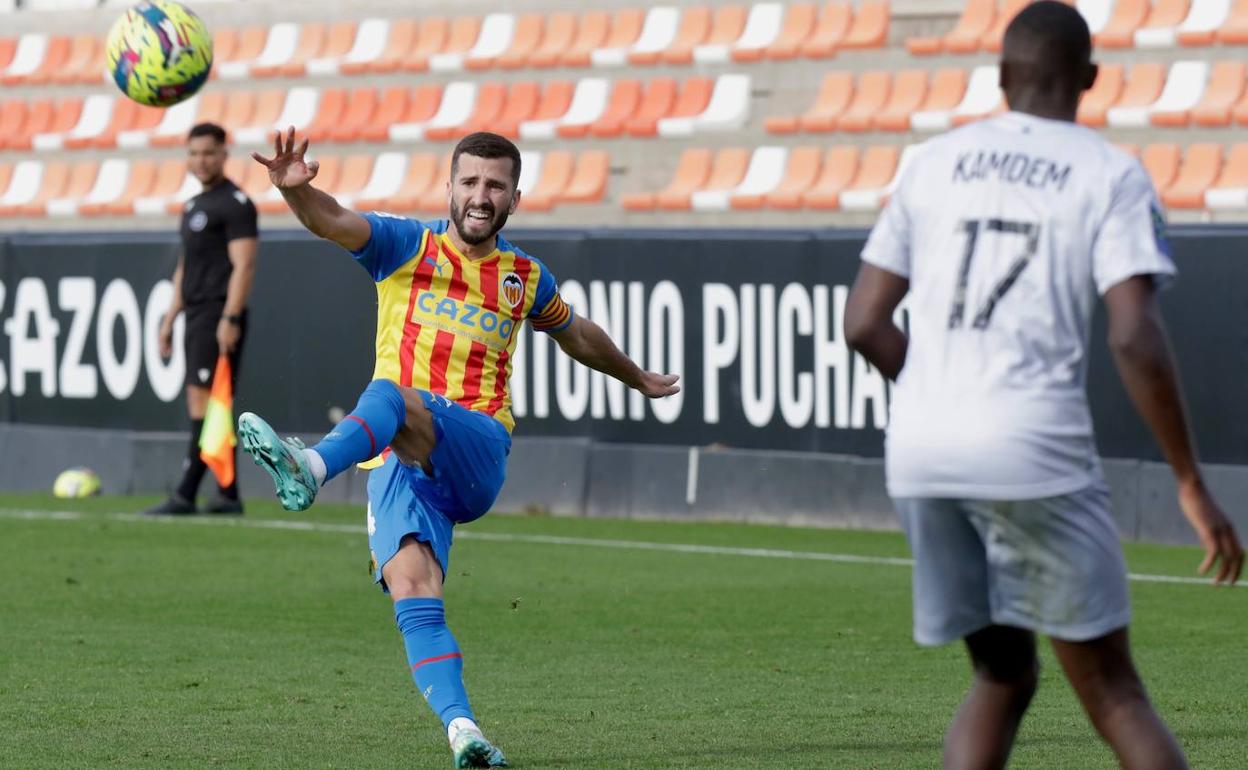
<point>194,468</point>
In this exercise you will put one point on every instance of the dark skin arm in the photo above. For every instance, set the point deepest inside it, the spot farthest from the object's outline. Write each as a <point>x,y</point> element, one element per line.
<point>869,327</point>
<point>1141,351</point>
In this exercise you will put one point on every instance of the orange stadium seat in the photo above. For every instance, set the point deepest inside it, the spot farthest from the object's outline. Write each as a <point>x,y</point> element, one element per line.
<point>1165,14</point>
<point>695,25</point>
<point>691,173</point>
<point>800,174</point>
<point>1199,171</point>
<point>1226,86</point>
<point>250,42</point>
<point>1233,180</point>
<point>1235,30</point>
<point>726,27</point>
<point>556,172</point>
<point>521,104</point>
<point>695,95</point>
<point>51,183</point>
<point>224,41</point>
<point>557,38</point>
<point>336,41</point>
<point>530,29</point>
<point>909,91</point>
<point>1239,113</point>
<point>870,27</point>
<point>309,43</point>
<point>462,36</point>
<point>490,100</point>
<point>656,103</point>
<point>1129,149</point>
<point>829,32</point>
<point>1144,84</point>
<point>799,21</point>
<point>1178,118</point>
<point>126,114</point>
<point>85,63</point>
<point>78,183</point>
<point>416,180</point>
<point>54,57</point>
<point>835,94</point>
<point>589,180</point>
<point>428,39</point>
<point>623,103</point>
<point>591,32</point>
<point>1103,95</point>
<point>240,108</point>
<point>138,182</point>
<point>434,200</point>
<point>356,171</point>
<point>12,117</point>
<point>1161,161</point>
<point>625,29</point>
<point>356,116</point>
<point>965,37</point>
<point>164,184</point>
<point>8,47</point>
<point>329,110</point>
<point>399,40</point>
<point>421,105</point>
<point>879,166</point>
<point>555,99</point>
<point>727,171</point>
<point>840,166</point>
<point>36,120</point>
<point>871,93</point>
<point>947,89</point>
<point>211,109</point>
<point>1119,31</point>
<point>6,174</point>
<point>62,119</point>
<point>991,41</point>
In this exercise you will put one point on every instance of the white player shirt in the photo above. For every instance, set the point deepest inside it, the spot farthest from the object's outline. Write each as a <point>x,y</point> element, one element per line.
<point>1007,230</point>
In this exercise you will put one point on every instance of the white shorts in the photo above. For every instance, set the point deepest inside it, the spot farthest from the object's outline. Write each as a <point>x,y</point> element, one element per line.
<point>1053,566</point>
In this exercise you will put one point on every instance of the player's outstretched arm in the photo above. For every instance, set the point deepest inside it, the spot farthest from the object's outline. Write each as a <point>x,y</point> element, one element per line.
<point>316,210</point>
<point>586,342</point>
<point>869,327</point>
<point>1141,350</point>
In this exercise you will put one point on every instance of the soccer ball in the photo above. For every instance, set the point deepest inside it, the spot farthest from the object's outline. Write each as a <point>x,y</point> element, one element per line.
<point>76,482</point>
<point>159,53</point>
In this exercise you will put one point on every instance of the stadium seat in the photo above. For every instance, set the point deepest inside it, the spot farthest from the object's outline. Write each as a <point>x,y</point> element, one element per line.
<point>1226,86</point>
<point>617,39</point>
<point>84,64</point>
<point>727,109</point>
<point>1144,85</point>
<point>1230,191</point>
<point>109,184</point>
<point>175,122</point>
<point>656,103</point>
<point>492,38</point>
<point>1161,161</point>
<point>27,56</point>
<point>8,47</point>
<point>269,200</point>
<point>12,116</point>
<point>298,109</point>
<point>329,110</point>
<point>58,178</point>
<point>6,174</point>
<point>727,171</point>
<point>626,98</point>
<point>555,103</point>
<point>907,95</point>
<point>1185,84</point>
<point>948,87</point>
<point>976,20</point>
<point>870,27</point>
<point>241,108</point>
<point>762,30</point>
<point>519,106</point>
<point>140,178</point>
<point>128,116</point>
<point>356,116</point>
<point>455,120</point>
<point>982,97</point>
<point>81,178</point>
<point>172,185</point>
<point>658,30</point>
<point>870,95</point>
<point>54,60</point>
<point>555,171</point>
<point>431,37</point>
<point>1119,30</point>
<point>799,21</point>
<point>557,38</point>
<point>991,41</point>
<point>1201,165</point>
<point>829,32</point>
<point>1239,113</point>
<point>833,97</point>
<point>279,47</point>
<point>1202,22</point>
<point>691,172</point>
<point>1104,94</point>
<point>1160,27</point>
<point>800,173</point>
<point>726,28</point>
<point>1096,13</point>
<point>96,113</point>
<point>55,122</point>
<point>434,199</point>
<point>840,167</point>
<point>426,103</point>
<point>357,172</point>
<point>384,180</point>
<point>695,25</point>
<point>26,182</point>
<point>366,45</point>
<point>1235,30</point>
<point>764,173</point>
<point>317,42</point>
<point>491,99</point>
<point>397,37</point>
<point>460,40</point>
<point>243,48</point>
<point>877,177</point>
<point>173,204</point>
<point>397,186</point>
<point>530,31</point>
<point>586,105</point>
<point>591,34</point>
<point>589,180</point>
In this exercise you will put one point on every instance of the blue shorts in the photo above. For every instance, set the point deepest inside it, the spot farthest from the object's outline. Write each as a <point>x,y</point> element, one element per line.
<point>469,465</point>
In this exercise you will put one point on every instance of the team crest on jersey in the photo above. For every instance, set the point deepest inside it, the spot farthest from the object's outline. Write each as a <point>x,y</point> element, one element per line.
<point>513,290</point>
<point>199,220</point>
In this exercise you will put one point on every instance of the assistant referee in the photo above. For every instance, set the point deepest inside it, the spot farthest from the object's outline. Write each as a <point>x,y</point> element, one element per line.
<point>210,284</point>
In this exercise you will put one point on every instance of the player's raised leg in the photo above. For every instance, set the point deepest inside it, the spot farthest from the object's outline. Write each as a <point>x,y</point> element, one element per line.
<point>384,410</point>
<point>1006,670</point>
<point>1104,677</point>
<point>414,579</point>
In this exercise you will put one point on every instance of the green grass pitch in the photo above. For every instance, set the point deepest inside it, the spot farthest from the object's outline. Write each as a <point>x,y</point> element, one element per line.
<point>198,644</point>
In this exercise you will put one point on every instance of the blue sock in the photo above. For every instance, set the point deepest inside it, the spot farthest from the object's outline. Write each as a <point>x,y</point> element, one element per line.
<point>436,663</point>
<point>369,429</point>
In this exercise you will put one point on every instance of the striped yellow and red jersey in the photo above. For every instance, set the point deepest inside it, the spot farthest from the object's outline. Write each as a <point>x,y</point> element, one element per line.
<point>449,324</point>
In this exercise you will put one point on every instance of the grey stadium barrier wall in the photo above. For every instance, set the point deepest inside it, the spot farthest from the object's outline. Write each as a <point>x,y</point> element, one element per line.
<point>778,421</point>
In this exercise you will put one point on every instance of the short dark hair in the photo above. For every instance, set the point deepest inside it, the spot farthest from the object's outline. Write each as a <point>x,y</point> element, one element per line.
<point>483,144</point>
<point>207,129</point>
<point>1051,36</point>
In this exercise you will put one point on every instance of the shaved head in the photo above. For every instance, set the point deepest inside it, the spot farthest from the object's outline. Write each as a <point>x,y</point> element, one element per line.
<point>1046,58</point>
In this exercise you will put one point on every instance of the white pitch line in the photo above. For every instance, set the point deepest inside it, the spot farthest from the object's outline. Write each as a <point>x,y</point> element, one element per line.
<point>504,537</point>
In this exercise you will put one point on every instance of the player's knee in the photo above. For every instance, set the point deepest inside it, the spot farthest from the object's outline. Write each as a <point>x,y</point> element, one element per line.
<point>407,586</point>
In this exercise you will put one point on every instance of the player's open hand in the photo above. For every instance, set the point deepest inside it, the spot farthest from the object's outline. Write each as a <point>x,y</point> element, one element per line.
<point>1216,533</point>
<point>655,385</point>
<point>287,168</point>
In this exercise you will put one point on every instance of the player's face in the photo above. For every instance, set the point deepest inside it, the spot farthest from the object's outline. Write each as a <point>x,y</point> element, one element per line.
<point>482,197</point>
<point>205,158</point>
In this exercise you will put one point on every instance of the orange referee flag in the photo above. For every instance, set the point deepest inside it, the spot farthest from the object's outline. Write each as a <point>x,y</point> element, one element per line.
<point>217,439</point>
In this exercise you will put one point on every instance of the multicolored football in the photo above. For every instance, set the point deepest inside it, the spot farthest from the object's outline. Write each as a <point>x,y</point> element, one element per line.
<point>159,53</point>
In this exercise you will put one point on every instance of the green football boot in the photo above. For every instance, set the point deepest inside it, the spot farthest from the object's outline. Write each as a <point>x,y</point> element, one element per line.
<point>471,749</point>
<point>282,458</point>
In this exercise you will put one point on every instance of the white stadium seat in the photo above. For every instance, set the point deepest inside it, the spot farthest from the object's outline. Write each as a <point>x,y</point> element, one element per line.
<point>279,48</point>
<point>97,111</point>
<point>496,33</point>
<point>298,110</point>
<point>1202,16</point>
<point>370,41</point>
<point>727,110</point>
<point>24,186</point>
<point>983,95</point>
<point>176,121</point>
<point>31,48</point>
<point>157,205</point>
<point>657,33</point>
<point>1225,198</point>
<point>872,200</point>
<point>530,171</point>
<point>110,182</point>
<point>385,181</point>
<point>762,26</point>
<point>766,170</point>
<point>458,101</point>
<point>1184,86</point>
<point>1096,13</point>
<point>589,100</point>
